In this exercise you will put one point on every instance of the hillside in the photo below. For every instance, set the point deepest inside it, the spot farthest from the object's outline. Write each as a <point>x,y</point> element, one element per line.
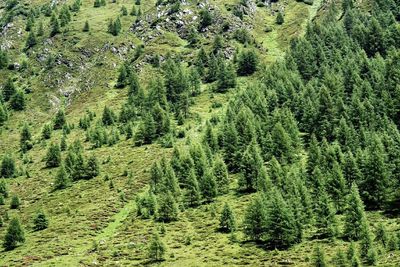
<point>199,133</point>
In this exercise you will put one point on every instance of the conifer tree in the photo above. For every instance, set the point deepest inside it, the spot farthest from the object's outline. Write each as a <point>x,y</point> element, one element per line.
<point>86,27</point>
<point>40,30</point>
<point>376,175</point>
<point>46,131</point>
<point>156,177</point>
<point>92,167</point>
<point>26,138</point>
<point>319,258</point>
<point>167,209</point>
<point>255,220</point>
<point>8,89</point>
<point>340,259</point>
<point>15,202</point>
<point>226,77</point>
<point>251,165</point>
<point>3,113</point>
<point>210,138</point>
<point>170,182</point>
<point>337,186</point>
<point>8,169</point>
<point>53,156</point>
<point>220,173</point>
<point>59,120</point>
<point>30,41</point>
<point>247,62</point>
<point>192,190</point>
<point>3,188</point>
<point>325,216</point>
<point>40,222</point>
<point>54,26</point>
<point>14,235</point>
<point>354,215</point>
<point>108,116</point>
<point>62,180</point>
<point>17,101</point>
<point>122,77</point>
<point>208,186</point>
<point>227,222</point>
<point>280,19</point>
<point>381,234</point>
<point>156,249</point>
<point>281,230</point>
<point>133,11</point>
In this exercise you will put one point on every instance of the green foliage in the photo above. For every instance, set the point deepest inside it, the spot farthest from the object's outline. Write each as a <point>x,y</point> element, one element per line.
<point>354,215</point>
<point>14,235</point>
<point>15,202</point>
<point>86,27</point>
<point>280,19</point>
<point>220,173</point>
<point>61,180</point>
<point>156,249</point>
<point>227,222</point>
<point>59,120</point>
<point>8,169</point>
<point>319,258</point>
<point>17,101</point>
<point>247,62</point>
<point>167,208</point>
<point>3,188</point>
<point>53,156</point>
<point>8,89</point>
<point>46,131</point>
<point>26,138</point>
<point>40,222</point>
<point>206,19</point>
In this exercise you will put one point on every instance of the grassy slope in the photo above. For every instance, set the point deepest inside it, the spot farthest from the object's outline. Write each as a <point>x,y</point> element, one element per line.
<point>91,211</point>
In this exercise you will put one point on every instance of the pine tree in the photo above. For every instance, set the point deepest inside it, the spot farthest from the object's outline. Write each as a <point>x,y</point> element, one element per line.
<point>381,234</point>
<point>40,30</point>
<point>3,113</point>
<point>3,59</point>
<point>337,186</point>
<point>30,41</point>
<point>15,202</point>
<point>354,215</point>
<point>8,89</point>
<point>108,116</point>
<point>17,101</point>
<point>14,235</point>
<point>26,138</point>
<point>208,186</point>
<point>40,222</point>
<point>61,180</point>
<point>63,143</point>
<point>167,209</point>
<point>86,27</point>
<point>122,77</point>
<point>92,167</point>
<point>156,177</point>
<point>8,169</point>
<point>227,222</point>
<point>226,77</point>
<point>374,186</point>
<point>192,190</point>
<point>96,3</point>
<point>54,26</point>
<point>59,120</point>
<point>280,19</point>
<point>3,188</point>
<point>220,173</point>
<point>319,258</point>
<point>255,220</point>
<point>156,249</point>
<point>247,62</point>
<point>325,216</point>
<point>251,165</point>
<point>281,230</point>
<point>53,156</point>
<point>46,131</point>
<point>133,11</point>
<point>340,259</point>
<point>170,182</point>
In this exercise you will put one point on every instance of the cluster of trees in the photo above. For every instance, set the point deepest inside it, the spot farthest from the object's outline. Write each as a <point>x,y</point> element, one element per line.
<point>13,96</point>
<point>188,180</point>
<point>317,137</point>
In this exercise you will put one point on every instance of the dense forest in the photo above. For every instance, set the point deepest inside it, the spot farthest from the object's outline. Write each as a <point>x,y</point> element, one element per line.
<point>196,146</point>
